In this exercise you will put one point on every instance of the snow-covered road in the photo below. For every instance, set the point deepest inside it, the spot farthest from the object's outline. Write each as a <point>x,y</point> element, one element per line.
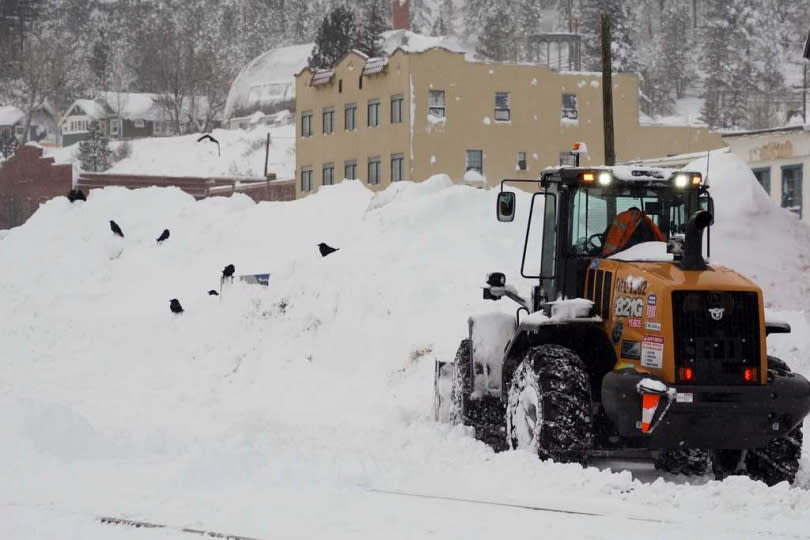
<point>283,412</point>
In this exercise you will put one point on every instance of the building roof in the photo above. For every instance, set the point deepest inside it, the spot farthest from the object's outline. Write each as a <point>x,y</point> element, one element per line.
<point>10,115</point>
<point>136,106</point>
<point>787,129</point>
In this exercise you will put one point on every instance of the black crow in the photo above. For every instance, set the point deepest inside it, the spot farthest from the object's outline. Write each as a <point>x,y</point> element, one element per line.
<point>116,229</point>
<point>326,249</point>
<point>212,292</point>
<point>228,271</point>
<point>163,236</point>
<point>208,137</point>
<point>76,195</point>
<point>174,305</point>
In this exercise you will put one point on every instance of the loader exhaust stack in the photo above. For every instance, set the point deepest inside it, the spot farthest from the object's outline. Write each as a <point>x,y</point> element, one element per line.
<point>693,250</point>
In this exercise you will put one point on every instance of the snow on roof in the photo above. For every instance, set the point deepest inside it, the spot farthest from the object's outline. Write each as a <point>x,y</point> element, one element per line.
<point>322,76</point>
<point>10,115</point>
<point>268,78</point>
<point>91,108</point>
<point>629,173</point>
<point>133,106</point>
<point>375,65</point>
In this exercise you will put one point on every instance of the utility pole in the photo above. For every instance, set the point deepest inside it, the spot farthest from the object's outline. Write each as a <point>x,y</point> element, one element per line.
<point>806,55</point>
<point>607,92</point>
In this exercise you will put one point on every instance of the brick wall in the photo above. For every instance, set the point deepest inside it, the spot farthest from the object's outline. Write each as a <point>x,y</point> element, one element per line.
<point>28,179</point>
<point>400,10</point>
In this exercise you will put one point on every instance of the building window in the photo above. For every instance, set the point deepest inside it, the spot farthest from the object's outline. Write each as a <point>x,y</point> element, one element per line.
<point>792,188</point>
<point>521,164</point>
<point>19,130</point>
<point>569,107</point>
<point>396,109</point>
<point>306,179</point>
<point>474,161</point>
<point>115,127</point>
<point>328,121</point>
<point>373,112</point>
<point>374,170</point>
<point>140,124</point>
<point>350,117</point>
<point>503,107</point>
<point>306,124</point>
<point>350,170</point>
<point>157,127</point>
<point>397,161</point>
<point>328,174</point>
<point>436,104</point>
<point>764,178</point>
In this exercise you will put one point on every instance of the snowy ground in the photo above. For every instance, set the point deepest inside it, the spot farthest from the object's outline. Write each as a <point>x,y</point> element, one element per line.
<point>281,412</point>
<point>243,154</point>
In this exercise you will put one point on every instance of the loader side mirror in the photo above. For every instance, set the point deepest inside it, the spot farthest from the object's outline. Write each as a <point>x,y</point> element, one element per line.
<point>707,204</point>
<point>506,206</point>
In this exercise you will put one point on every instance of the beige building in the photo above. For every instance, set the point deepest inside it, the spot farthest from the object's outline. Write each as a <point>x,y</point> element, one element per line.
<point>778,158</point>
<point>415,114</point>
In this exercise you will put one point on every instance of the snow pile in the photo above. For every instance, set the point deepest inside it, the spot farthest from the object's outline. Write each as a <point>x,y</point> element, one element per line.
<point>243,154</point>
<point>273,411</point>
<point>755,236</point>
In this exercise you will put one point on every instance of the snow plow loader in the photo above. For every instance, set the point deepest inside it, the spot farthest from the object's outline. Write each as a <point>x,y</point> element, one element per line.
<point>631,343</point>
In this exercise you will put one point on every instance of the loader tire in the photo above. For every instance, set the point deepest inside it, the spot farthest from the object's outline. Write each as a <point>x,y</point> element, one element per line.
<point>779,461</point>
<point>685,461</point>
<point>484,415</point>
<point>549,405</point>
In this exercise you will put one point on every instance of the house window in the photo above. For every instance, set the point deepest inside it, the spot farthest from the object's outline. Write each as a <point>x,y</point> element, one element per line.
<point>19,130</point>
<point>474,161</point>
<point>396,109</point>
<point>328,174</point>
<point>373,112</point>
<point>350,170</point>
<point>436,104</point>
<point>764,178</point>
<point>569,107</point>
<point>306,124</point>
<point>140,124</point>
<point>397,161</point>
<point>521,164</point>
<point>115,127</point>
<point>306,179</point>
<point>350,117</point>
<point>374,170</point>
<point>792,188</point>
<point>328,121</point>
<point>157,127</point>
<point>503,107</point>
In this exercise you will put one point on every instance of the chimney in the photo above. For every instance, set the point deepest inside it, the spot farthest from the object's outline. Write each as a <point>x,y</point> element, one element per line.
<point>401,11</point>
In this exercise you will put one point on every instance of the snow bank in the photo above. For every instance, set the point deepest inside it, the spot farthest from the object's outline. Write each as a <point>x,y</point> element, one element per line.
<point>753,235</point>
<point>243,154</point>
<point>254,408</point>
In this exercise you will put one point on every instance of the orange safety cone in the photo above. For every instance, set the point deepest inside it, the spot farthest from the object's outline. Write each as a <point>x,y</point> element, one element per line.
<point>649,402</point>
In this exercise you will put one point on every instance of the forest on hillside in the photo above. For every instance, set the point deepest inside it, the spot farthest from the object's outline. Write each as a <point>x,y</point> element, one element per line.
<point>741,56</point>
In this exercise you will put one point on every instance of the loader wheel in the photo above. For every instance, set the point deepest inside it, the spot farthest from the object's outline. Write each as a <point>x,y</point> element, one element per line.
<point>685,461</point>
<point>549,405</point>
<point>462,382</point>
<point>779,461</point>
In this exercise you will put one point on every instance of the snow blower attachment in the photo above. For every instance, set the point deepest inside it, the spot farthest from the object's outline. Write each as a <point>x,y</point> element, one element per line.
<point>631,342</point>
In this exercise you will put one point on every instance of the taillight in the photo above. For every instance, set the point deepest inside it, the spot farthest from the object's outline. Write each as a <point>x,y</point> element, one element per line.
<point>686,374</point>
<point>751,374</point>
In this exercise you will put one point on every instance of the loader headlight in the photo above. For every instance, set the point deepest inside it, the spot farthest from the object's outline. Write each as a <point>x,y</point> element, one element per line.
<point>605,178</point>
<point>681,180</point>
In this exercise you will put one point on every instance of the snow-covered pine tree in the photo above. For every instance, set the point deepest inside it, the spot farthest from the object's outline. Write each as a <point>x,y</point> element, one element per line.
<point>497,39</point>
<point>369,32</point>
<point>94,153</point>
<point>527,15</point>
<point>622,29</point>
<point>8,144</point>
<point>336,36</point>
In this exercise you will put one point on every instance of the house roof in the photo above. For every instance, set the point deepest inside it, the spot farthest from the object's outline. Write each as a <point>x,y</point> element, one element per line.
<point>136,106</point>
<point>10,115</point>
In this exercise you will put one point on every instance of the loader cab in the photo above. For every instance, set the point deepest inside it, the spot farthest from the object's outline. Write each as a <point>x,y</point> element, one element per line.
<point>571,215</point>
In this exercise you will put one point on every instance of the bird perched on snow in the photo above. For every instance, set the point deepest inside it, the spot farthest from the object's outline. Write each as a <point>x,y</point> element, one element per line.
<point>174,305</point>
<point>208,137</point>
<point>212,292</point>
<point>163,236</point>
<point>116,229</point>
<point>326,249</point>
<point>228,272</point>
<point>76,195</point>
